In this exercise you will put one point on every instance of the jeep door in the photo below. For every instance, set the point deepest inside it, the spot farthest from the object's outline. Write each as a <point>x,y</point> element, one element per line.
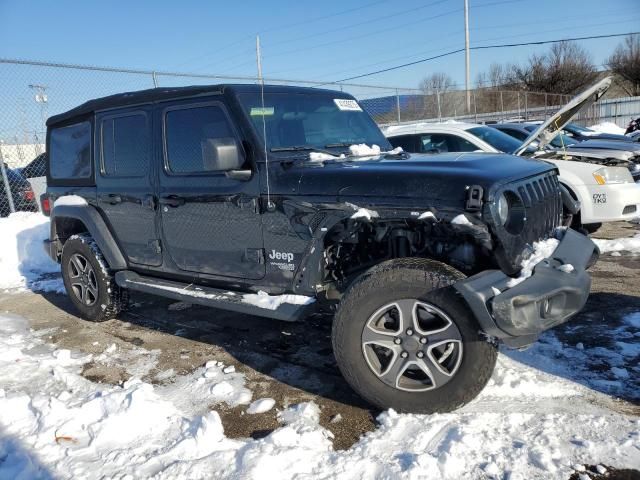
<point>210,220</point>
<point>125,182</point>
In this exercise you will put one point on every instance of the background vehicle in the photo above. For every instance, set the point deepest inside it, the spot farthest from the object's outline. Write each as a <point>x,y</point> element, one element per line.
<point>272,201</point>
<point>36,172</point>
<point>24,199</point>
<point>596,151</point>
<point>606,191</point>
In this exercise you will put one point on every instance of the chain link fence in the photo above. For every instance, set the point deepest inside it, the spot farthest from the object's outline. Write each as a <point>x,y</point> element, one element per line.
<point>30,92</point>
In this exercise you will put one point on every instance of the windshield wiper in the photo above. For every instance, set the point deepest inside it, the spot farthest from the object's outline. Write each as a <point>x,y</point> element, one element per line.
<point>302,148</point>
<point>333,145</point>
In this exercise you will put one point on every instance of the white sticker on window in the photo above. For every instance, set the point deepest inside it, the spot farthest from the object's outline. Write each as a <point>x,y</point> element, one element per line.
<point>264,111</point>
<point>347,105</point>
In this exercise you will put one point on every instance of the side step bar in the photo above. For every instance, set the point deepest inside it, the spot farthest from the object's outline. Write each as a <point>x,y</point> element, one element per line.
<point>210,297</point>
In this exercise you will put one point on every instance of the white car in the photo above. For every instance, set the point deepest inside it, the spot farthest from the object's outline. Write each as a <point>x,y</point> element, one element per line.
<point>606,193</point>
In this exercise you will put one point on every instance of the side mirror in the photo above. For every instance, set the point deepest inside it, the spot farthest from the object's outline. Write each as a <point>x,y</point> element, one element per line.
<point>222,154</point>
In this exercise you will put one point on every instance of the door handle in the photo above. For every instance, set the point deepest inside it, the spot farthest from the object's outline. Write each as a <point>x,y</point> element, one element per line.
<point>172,201</point>
<point>111,198</point>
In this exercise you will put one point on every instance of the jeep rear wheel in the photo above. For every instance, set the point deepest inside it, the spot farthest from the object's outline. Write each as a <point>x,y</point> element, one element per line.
<point>88,281</point>
<point>404,339</point>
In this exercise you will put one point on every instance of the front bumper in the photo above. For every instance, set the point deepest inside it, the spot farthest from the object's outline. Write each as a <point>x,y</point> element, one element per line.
<point>549,297</point>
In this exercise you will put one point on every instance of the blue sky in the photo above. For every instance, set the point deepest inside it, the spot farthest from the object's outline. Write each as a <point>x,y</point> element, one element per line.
<point>326,40</point>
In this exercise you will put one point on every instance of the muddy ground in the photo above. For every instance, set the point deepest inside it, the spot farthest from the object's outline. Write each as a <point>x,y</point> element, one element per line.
<point>288,362</point>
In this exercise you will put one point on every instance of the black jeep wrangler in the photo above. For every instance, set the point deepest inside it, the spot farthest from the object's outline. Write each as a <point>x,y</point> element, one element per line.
<point>276,200</point>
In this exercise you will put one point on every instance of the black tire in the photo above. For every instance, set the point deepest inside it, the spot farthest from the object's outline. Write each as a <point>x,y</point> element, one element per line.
<point>427,281</point>
<point>103,299</point>
<point>591,227</point>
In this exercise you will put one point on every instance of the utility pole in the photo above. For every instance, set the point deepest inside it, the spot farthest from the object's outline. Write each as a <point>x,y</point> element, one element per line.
<point>466,54</point>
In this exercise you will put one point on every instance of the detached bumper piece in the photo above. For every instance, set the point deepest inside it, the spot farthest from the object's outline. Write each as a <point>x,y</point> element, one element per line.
<point>551,296</point>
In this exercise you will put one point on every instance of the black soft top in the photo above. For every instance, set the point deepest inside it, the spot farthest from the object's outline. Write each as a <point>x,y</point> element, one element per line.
<point>170,93</point>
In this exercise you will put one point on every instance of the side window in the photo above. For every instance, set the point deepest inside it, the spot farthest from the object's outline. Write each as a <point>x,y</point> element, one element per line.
<point>515,133</point>
<point>433,143</point>
<point>126,145</point>
<point>189,132</point>
<point>70,151</point>
<point>459,144</point>
<point>407,142</point>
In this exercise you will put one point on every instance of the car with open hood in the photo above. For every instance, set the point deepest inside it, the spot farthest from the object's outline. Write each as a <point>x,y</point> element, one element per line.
<point>603,187</point>
<point>277,200</point>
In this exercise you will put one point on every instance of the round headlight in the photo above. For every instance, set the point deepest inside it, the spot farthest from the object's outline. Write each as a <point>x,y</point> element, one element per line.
<point>503,209</point>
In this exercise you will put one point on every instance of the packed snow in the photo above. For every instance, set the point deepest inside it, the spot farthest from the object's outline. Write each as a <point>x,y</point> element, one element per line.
<point>541,250</point>
<point>272,302</point>
<point>461,220</point>
<point>321,156</point>
<point>427,216</point>
<point>69,200</point>
<point>23,262</point>
<point>606,127</point>
<point>261,405</point>
<point>364,150</point>
<point>629,244</point>
<point>58,424</point>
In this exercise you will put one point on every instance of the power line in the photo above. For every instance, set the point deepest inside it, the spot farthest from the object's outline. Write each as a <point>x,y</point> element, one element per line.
<point>481,47</point>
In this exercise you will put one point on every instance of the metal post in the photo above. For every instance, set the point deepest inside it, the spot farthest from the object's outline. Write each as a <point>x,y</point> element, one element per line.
<point>526,107</point>
<point>5,180</point>
<point>466,55</point>
<point>502,104</point>
<point>545,105</point>
<point>398,106</point>
<point>475,106</point>
<point>155,79</point>
<point>439,108</point>
<point>518,94</point>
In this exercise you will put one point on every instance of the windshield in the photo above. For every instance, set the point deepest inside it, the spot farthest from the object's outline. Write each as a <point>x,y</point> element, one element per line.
<point>561,140</point>
<point>497,139</point>
<point>314,121</point>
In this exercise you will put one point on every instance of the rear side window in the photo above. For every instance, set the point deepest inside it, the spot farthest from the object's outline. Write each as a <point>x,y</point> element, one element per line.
<point>187,132</point>
<point>70,151</point>
<point>126,145</point>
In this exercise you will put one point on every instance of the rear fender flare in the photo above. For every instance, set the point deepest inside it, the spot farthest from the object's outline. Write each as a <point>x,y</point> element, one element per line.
<point>96,227</point>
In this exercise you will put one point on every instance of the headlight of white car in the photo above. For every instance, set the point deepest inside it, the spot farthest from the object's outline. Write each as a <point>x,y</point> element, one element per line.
<point>611,175</point>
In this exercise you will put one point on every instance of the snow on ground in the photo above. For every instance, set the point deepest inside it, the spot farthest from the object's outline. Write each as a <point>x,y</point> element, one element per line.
<point>526,424</point>
<point>23,261</point>
<point>261,406</point>
<point>629,244</point>
<point>607,127</point>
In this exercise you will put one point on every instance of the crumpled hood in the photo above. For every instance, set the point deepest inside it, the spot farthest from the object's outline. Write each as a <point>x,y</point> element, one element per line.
<point>442,178</point>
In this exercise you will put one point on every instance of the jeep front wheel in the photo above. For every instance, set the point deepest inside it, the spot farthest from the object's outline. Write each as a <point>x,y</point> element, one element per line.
<point>404,339</point>
<point>88,281</point>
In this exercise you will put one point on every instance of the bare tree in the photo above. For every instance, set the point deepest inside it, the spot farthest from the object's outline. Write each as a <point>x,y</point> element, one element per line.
<point>565,68</point>
<point>625,61</point>
<point>438,98</point>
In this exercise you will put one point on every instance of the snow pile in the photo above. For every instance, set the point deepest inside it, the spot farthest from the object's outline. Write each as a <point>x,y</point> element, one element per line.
<point>365,213</point>
<point>261,406</point>
<point>364,150</point>
<point>321,156</point>
<point>629,244</point>
<point>23,261</point>
<point>69,200</point>
<point>395,151</point>
<point>427,215</point>
<point>461,220</point>
<point>541,250</point>
<point>606,127</point>
<point>55,423</point>
<point>272,302</point>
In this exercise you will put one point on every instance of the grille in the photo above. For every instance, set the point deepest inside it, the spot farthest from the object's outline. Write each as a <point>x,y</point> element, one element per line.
<point>629,209</point>
<point>543,209</point>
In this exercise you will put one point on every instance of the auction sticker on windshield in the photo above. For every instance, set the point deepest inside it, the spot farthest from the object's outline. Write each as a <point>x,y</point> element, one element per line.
<point>346,104</point>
